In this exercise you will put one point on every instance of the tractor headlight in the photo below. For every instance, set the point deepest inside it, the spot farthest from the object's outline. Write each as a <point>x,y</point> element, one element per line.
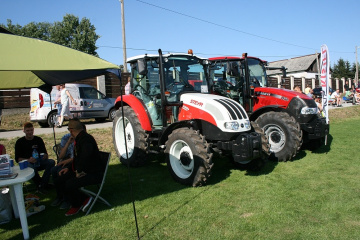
<point>308,110</point>
<point>232,125</point>
<point>247,124</point>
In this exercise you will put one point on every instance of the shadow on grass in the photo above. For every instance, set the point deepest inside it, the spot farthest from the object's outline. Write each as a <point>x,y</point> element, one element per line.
<point>147,182</point>
<point>315,147</point>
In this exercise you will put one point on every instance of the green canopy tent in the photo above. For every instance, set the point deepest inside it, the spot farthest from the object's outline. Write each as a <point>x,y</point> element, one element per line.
<point>28,62</point>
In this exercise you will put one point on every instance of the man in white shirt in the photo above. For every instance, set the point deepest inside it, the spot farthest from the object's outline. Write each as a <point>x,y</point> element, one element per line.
<point>336,96</point>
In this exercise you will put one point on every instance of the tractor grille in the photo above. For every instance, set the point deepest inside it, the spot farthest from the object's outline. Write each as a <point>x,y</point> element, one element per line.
<point>234,108</point>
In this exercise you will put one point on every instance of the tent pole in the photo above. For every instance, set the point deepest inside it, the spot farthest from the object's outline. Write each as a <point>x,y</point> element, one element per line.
<point>127,156</point>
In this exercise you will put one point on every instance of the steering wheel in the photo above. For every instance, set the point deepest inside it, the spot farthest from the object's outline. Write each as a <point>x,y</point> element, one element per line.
<point>139,91</point>
<point>142,89</point>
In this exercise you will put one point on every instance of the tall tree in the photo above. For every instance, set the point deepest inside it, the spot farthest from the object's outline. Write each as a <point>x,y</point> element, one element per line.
<point>70,32</point>
<point>75,34</point>
<point>342,69</point>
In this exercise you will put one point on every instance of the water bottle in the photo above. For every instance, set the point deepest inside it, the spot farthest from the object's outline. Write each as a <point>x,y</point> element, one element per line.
<point>35,155</point>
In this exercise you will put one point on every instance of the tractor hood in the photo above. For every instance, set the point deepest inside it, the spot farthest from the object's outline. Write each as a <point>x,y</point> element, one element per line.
<point>225,113</point>
<point>279,92</point>
<point>299,105</point>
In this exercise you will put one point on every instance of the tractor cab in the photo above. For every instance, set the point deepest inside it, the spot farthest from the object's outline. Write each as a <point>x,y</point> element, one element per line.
<point>229,75</point>
<point>182,73</point>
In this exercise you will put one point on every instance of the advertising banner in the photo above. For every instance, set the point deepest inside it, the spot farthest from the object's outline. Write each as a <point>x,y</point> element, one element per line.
<point>324,77</point>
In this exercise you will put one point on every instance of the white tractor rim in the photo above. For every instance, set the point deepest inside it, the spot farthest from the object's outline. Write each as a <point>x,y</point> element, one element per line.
<point>181,159</point>
<point>119,138</point>
<point>276,136</point>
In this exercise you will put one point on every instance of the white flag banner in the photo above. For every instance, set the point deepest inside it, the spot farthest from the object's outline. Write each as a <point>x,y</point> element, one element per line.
<point>324,77</point>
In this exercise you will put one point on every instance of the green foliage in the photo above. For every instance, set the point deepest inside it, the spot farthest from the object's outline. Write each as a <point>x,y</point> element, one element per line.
<point>343,69</point>
<point>75,34</point>
<point>70,32</point>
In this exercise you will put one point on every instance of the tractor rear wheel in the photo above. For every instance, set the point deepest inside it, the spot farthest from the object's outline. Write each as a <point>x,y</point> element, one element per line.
<point>283,133</point>
<point>136,138</point>
<point>188,157</point>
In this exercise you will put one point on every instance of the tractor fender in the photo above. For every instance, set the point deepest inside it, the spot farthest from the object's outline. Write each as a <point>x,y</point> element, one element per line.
<point>190,124</point>
<point>139,108</point>
<point>276,108</point>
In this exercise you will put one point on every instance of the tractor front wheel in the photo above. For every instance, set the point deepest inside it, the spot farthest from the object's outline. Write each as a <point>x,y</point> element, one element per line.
<point>283,133</point>
<point>188,157</point>
<point>136,138</point>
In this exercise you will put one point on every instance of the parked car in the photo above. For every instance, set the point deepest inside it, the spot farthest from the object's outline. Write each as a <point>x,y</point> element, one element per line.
<point>90,104</point>
<point>318,91</point>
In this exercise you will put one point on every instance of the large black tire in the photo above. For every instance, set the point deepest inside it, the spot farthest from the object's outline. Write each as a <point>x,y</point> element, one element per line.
<point>265,146</point>
<point>188,157</point>
<point>136,138</point>
<point>283,132</point>
<point>112,114</point>
<point>51,120</point>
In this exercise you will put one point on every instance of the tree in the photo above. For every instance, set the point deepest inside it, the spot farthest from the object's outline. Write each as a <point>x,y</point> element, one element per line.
<point>342,69</point>
<point>71,32</point>
<point>75,34</point>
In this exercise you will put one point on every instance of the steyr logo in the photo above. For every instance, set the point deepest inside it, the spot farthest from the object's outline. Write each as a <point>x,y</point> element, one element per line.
<point>197,103</point>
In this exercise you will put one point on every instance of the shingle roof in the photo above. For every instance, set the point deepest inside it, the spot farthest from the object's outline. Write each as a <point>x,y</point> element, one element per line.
<point>298,64</point>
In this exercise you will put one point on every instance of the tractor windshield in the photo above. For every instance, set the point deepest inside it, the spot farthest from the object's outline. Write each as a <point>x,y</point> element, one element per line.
<point>257,73</point>
<point>184,73</point>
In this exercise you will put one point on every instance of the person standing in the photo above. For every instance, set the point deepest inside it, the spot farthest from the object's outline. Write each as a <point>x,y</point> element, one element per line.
<point>65,110</point>
<point>57,102</point>
<point>86,169</point>
<point>346,86</point>
<point>24,150</point>
<point>128,87</point>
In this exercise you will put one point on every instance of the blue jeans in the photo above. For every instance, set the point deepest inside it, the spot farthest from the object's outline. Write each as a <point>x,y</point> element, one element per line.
<point>59,107</point>
<point>45,164</point>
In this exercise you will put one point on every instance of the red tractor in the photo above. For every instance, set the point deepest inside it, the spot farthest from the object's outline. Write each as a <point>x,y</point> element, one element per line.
<point>288,118</point>
<point>170,110</point>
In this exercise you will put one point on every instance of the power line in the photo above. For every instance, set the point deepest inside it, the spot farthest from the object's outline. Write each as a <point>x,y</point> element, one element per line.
<point>226,27</point>
<point>234,29</point>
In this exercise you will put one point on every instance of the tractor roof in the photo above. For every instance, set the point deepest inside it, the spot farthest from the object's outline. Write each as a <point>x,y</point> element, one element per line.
<point>233,58</point>
<point>135,58</point>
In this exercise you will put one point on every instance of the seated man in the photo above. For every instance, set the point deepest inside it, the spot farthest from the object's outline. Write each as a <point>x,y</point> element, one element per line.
<point>336,96</point>
<point>24,148</point>
<point>66,157</point>
<point>86,169</point>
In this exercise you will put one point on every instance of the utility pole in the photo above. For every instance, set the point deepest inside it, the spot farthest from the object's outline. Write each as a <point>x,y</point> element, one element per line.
<point>123,34</point>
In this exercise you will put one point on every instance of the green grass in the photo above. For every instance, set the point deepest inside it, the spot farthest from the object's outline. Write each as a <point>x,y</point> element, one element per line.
<point>315,196</point>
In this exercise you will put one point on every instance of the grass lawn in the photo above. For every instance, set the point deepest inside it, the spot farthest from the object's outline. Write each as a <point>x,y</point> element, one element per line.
<point>315,196</point>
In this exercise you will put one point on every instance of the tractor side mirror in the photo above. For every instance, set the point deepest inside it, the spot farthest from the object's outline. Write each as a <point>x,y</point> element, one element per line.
<point>283,69</point>
<point>142,66</point>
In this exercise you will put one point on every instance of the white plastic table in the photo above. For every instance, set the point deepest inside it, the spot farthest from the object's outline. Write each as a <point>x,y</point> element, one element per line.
<point>16,194</point>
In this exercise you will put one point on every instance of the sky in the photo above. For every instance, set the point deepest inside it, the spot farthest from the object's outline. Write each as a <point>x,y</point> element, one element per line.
<point>271,30</point>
